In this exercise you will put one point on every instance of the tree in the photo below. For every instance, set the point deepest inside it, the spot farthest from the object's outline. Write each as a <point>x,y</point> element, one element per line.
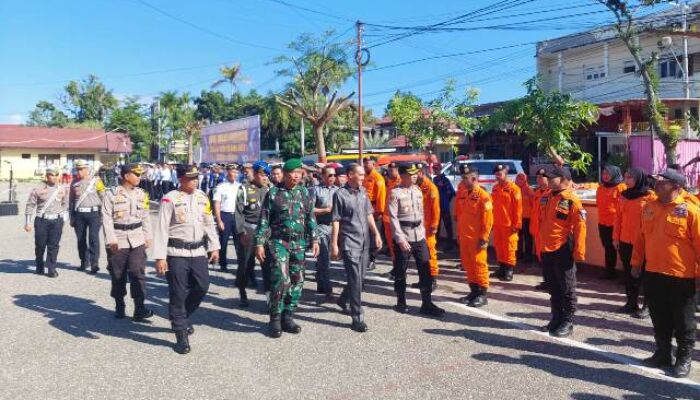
<point>275,121</point>
<point>549,120</point>
<point>88,100</point>
<point>133,118</point>
<point>211,107</point>
<point>318,68</point>
<point>342,131</point>
<point>231,75</point>
<point>626,31</point>
<point>48,115</point>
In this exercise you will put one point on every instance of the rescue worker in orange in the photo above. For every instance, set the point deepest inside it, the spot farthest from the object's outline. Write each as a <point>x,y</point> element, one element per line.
<point>474,217</point>
<point>562,218</point>
<point>685,195</point>
<point>668,248</point>
<point>507,215</point>
<point>431,220</point>
<point>525,238</point>
<point>393,179</point>
<point>376,191</point>
<point>627,224</point>
<point>607,197</point>
<point>540,193</point>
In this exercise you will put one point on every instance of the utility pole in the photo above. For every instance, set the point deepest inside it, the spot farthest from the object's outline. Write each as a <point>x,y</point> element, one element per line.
<point>358,58</point>
<point>302,136</point>
<point>686,73</point>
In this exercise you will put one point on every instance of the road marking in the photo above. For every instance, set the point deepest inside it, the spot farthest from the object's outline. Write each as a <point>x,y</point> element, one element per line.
<point>628,361</point>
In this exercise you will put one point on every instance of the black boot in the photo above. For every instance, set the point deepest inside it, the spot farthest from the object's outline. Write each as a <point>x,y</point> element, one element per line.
<point>141,313</point>
<point>400,289</point>
<point>428,307</point>
<point>275,326</point>
<point>542,286</point>
<point>190,329</point>
<point>480,299</point>
<point>642,313</point>
<point>563,330</point>
<point>94,269</point>
<point>473,293</point>
<point>499,273</point>
<point>661,358</point>
<point>684,358</point>
<point>288,324</point>
<point>52,272</point>
<point>551,326</point>
<point>508,273</point>
<point>119,309</point>
<point>183,343</point>
<point>244,298</point>
<point>83,266</point>
<point>39,270</point>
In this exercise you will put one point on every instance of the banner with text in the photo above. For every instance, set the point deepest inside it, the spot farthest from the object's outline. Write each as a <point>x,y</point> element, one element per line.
<point>232,141</point>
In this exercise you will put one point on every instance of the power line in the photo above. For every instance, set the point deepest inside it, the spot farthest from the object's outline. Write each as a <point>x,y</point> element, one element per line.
<point>309,10</point>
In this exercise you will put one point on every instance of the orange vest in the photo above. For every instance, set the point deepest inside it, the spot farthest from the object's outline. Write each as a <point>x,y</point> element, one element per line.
<point>376,190</point>
<point>474,213</point>
<point>507,205</point>
<point>562,216</point>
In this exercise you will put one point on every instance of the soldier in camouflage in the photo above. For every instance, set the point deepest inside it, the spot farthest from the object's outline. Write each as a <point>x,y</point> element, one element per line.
<point>287,226</point>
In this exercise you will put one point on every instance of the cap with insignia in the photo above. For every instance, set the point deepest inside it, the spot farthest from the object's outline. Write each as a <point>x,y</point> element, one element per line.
<point>464,169</point>
<point>135,169</point>
<point>187,171</point>
<point>52,171</point>
<point>500,167</point>
<point>671,175</point>
<point>408,168</point>
<point>292,164</point>
<point>81,164</point>
<point>232,166</point>
<point>541,172</point>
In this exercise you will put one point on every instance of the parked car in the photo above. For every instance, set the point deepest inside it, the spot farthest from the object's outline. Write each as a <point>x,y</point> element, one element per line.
<point>485,167</point>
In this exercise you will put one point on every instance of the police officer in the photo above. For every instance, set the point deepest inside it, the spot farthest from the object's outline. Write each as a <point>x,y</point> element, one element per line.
<point>668,246</point>
<point>353,220</point>
<point>185,232</point>
<point>406,216</point>
<point>562,218</point>
<point>86,196</point>
<point>225,195</point>
<point>49,202</point>
<point>376,190</point>
<point>127,229</point>
<point>323,208</point>
<point>287,226</point>
<point>247,217</point>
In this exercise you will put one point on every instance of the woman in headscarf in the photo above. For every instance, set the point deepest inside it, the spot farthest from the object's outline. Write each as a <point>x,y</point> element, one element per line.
<point>627,223</point>
<point>607,197</point>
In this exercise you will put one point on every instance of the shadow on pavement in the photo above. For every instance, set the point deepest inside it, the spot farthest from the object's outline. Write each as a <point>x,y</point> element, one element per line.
<point>9,266</point>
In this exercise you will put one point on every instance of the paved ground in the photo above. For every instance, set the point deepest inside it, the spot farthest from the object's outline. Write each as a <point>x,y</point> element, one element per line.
<point>60,341</point>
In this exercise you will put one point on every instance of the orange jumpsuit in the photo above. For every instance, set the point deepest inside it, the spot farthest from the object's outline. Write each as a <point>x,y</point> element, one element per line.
<point>689,198</point>
<point>629,218</point>
<point>431,220</point>
<point>376,191</point>
<point>606,199</point>
<point>390,184</point>
<point>538,199</point>
<point>507,217</point>
<point>561,217</point>
<point>474,217</point>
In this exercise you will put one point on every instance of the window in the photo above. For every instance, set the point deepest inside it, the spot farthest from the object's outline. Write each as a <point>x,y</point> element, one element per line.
<point>595,73</point>
<point>629,67</point>
<point>26,156</point>
<point>694,112</point>
<point>677,113</point>
<point>669,68</point>
<point>49,160</point>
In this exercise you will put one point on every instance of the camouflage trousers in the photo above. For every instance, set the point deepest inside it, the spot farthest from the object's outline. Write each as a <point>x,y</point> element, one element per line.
<point>287,261</point>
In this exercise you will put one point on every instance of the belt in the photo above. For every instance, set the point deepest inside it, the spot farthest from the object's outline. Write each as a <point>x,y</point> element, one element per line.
<point>409,224</point>
<point>288,238</point>
<point>128,227</point>
<point>50,217</point>
<point>88,209</point>
<point>181,244</point>
<point>250,226</point>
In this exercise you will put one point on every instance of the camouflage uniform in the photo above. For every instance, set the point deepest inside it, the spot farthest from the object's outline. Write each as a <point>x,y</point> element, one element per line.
<point>287,219</point>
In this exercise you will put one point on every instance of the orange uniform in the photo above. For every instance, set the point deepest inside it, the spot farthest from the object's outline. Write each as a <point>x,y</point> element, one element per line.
<point>528,195</point>
<point>431,220</point>
<point>561,216</point>
<point>607,198</point>
<point>390,184</point>
<point>376,191</point>
<point>689,198</point>
<point>507,217</point>
<point>539,198</point>
<point>669,239</point>
<point>629,218</point>
<point>474,217</point>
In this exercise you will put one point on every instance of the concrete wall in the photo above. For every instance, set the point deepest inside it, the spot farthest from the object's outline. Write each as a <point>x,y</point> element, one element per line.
<point>29,168</point>
<point>640,152</point>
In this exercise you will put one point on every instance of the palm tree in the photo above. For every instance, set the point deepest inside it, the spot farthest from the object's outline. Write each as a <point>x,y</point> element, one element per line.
<point>231,75</point>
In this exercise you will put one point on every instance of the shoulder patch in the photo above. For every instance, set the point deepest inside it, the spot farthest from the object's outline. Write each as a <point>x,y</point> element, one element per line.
<point>681,210</point>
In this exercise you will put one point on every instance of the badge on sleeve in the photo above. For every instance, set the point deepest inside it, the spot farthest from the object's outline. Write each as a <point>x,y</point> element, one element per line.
<point>681,211</point>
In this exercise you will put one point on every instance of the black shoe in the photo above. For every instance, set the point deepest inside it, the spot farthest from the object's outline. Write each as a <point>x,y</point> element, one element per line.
<point>94,269</point>
<point>563,330</point>
<point>119,311</point>
<point>83,267</point>
<point>681,368</point>
<point>359,327</point>
<point>472,294</point>
<point>642,313</point>
<point>39,271</point>
<point>182,346</point>
<point>244,298</point>
<point>499,273</point>
<point>401,308</point>
<point>275,326</point>
<point>660,359</point>
<point>52,273</point>
<point>288,324</point>
<point>190,329</point>
<point>551,326</point>
<point>508,274</point>
<point>542,286</point>
<point>478,301</point>
<point>142,314</point>
<point>628,308</point>
<point>343,305</point>
<point>432,310</point>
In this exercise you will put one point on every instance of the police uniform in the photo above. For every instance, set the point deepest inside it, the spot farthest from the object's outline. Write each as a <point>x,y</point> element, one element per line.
<point>126,222</point>
<point>84,204</point>
<point>50,204</point>
<point>562,223</point>
<point>247,217</point>
<point>225,194</point>
<point>406,216</point>
<point>323,198</point>
<point>184,233</point>
<point>352,209</point>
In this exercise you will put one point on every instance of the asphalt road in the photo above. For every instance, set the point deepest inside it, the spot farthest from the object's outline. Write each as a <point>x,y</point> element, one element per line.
<point>60,341</point>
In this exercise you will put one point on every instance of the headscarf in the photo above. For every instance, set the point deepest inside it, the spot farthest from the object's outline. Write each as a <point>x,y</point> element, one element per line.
<point>521,179</point>
<point>616,177</point>
<point>641,184</point>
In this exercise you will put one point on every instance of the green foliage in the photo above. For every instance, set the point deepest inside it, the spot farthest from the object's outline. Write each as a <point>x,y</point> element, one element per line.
<point>231,75</point>
<point>88,100</point>
<point>211,106</point>
<point>620,160</point>
<point>134,118</point>
<point>549,120</point>
<point>342,130</point>
<point>48,115</point>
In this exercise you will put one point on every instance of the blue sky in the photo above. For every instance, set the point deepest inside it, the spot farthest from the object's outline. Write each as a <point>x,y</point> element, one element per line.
<point>137,50</point>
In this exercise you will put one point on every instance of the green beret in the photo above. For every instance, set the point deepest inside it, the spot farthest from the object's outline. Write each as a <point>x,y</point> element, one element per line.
<point>292,164</point>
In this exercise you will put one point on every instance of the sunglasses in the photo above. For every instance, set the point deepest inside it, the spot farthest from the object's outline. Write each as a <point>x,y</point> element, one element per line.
<point>330,175</point>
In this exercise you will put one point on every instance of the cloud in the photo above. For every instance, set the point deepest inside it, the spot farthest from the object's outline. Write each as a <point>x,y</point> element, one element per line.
<point>13,119</point>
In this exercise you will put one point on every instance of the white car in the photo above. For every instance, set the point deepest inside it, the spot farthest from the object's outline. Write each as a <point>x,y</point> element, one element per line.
<point>485,167</point>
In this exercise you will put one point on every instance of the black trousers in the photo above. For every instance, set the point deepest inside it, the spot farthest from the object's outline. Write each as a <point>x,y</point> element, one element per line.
<point>355,262</point>
<point>560,276</point>
<point>246,266</point>
<point>188,283</point>
<point>671,303</point>
<point>87,229</point>
<point>632,284</point>
<point>129,263</point>
<point>446,222</point>
<point>606,238</point>
<point>373,250</point>
<point>525,243</point>
<point>165,187</point>
<point>47,236</point>
<point>419,251</point>
<point>224,235</point>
